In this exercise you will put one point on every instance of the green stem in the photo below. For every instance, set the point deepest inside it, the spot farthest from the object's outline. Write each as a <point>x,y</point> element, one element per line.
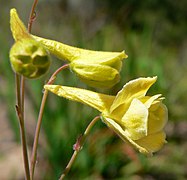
<point>20,114</point>
<point>78,146</point>
<point>38,126</point>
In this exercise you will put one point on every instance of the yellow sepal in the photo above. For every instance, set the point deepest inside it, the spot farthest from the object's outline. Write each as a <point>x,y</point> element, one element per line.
<point>17,27</point>
<point>70,53</point>
<point>158,117</point>
<point>124,135</point>
<point>153,142</point>
<point>134,89</point>
<point>99,101</point>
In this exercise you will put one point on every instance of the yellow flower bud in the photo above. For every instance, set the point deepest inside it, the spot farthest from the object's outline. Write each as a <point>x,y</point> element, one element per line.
<point>29,58</point>
<point>95,68</point>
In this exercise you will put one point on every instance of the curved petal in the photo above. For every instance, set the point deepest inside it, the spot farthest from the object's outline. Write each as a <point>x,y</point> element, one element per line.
<point>99,101</point>
<point>158,118</point>
<point>135,120</point>
<point>148,100</point>
<point>101,76</point>
<point>71,53</point>
<point>17,27</point>
<point>153,142</point>
<point>134,89</point>
<point>123,135</point>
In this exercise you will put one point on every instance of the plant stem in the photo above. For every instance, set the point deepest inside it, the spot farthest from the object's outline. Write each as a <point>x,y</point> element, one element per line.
<point>32,15</point>
<point>78,146</point>
<point>20,94</point>
<point>37,131</point>
<point>53,77</point>
<point>38,126</point>
<point>20,114</point>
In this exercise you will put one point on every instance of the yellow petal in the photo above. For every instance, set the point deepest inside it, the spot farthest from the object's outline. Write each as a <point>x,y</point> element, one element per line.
<point>96,75</point>
<point>155,105</point>
<point>158,118</point>
<point>123,135</point>
<point>18,29</point>
<point>135,120</point>
<point>153,142</point>
<point>147,100</point>
<point>71,53</point>
<point>134,89</point>
<point>99,101</point>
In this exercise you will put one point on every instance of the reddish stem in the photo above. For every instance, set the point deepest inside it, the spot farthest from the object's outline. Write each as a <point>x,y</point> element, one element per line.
<point>39,122</point>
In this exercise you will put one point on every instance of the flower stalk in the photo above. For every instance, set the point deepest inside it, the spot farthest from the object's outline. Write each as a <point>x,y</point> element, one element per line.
<point>32,15</point>
<point>39,122</point>
<point>78,146</point>
<point>20,96</point>
<point>20,114</point>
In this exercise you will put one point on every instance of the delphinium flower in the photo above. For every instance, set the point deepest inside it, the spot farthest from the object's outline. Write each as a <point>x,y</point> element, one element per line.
<point>137,118</point>
<point>95,68</point>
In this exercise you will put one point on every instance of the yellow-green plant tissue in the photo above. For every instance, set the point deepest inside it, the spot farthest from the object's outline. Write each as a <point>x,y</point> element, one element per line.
<point>29,58</point>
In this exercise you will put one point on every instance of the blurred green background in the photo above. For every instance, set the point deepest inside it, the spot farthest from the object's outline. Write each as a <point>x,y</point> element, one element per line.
<point>153,34</point>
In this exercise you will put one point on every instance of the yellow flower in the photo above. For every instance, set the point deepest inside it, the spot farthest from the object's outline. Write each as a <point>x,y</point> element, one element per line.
<point>138,119</point>
<point>28,57</point>
<point>95,68</point>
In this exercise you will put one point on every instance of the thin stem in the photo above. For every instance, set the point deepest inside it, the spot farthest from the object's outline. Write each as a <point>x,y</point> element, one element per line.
<point>20,89</point>
<point>38,126</point>
<point>32,15</point>
<point>20,115</point>
<point>37,131</point>
<point>22,95</point>
<point>53,77</point>
<point>17,79</point>
<point>78,146</point>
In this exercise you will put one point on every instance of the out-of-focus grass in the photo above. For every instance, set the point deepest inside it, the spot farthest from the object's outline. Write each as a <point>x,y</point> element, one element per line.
<point>104,155</point>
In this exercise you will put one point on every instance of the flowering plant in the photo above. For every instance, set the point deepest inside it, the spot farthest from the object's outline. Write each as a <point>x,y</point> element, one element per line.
<point>136,118</point>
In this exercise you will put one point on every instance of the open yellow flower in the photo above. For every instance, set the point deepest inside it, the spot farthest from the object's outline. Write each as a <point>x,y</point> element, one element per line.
<point>138,119</point>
